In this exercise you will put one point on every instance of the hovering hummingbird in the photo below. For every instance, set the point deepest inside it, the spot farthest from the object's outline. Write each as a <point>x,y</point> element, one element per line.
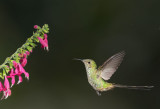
<point>97,78</point>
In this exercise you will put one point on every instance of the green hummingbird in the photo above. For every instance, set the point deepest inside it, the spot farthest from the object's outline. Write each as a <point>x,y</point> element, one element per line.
<point>97,78</point>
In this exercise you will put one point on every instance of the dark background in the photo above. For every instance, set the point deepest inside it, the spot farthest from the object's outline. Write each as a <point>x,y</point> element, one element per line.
<point>94,29</point>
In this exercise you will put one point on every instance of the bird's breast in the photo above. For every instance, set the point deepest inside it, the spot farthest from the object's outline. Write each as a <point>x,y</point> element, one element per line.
<point>99,84</point>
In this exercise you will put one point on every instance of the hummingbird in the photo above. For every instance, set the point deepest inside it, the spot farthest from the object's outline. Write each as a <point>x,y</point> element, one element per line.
<point>98,77</point>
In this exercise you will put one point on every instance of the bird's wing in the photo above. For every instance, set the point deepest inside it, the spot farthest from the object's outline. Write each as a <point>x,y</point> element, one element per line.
<point>111,65</point>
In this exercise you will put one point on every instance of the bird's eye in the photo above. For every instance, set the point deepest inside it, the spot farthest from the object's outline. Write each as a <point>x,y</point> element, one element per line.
<point>88,62</point>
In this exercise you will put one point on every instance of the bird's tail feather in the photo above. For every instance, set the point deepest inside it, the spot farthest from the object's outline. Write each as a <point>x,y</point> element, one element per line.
<point>134,87</point>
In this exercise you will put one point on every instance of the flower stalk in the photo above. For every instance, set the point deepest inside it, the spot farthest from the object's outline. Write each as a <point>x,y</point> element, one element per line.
<point>14,65</point>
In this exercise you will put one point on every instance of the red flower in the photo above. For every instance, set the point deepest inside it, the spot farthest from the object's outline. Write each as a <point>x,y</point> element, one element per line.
<point>12,75</point>
<point>6,89</point>
<point>44,42</point>
<point>21,70</point>
<point>35,26</point>
<point>24,60</point>
<point>1,87</point>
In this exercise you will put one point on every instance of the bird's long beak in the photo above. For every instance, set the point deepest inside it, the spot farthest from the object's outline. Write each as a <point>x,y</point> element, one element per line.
<point>78,59</point>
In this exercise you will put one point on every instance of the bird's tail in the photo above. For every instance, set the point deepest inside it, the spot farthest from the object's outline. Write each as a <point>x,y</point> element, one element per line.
<point>134,87</point>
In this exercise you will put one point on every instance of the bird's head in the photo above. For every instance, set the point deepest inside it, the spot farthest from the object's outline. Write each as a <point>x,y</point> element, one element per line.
<point>89,63</point>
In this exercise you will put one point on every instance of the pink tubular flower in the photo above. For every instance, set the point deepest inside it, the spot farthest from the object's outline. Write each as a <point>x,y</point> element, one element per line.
<point>24,60</point>
<point>27,52</point>
<point>24,55</point>
<point>26,75</point>
<point>35,26</point>
<point>1,87</point>
<point>44,42</point>
<point>20,79</point>
<point>6,83</point>
<point>13,81</point>
<point>22,70</point>
<point>12,75</point>
<point>6,89</point>
<point>6,94</point>
<point>45,37</point>
<point>15,64</point>
<point>18,73</point>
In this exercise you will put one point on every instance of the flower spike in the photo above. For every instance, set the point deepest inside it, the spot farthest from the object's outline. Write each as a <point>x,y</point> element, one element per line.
<point>13,66</point>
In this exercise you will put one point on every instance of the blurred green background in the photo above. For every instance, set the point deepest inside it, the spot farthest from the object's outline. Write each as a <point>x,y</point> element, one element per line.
<point>94,29</point>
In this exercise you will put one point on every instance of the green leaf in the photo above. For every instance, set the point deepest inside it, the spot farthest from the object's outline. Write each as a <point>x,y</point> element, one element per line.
<point>16,58</point>
<point>36,34</point>
<point>27,43</point>
<point>10,65</point>
<point>33,44</point>
<point>6,69</point>
<point>29,48</point>
<point>35,39</point>
<point>45,30</point>
<point>45,26</point>
<point>29,40</point>
<point>4,73</point>
<point>24,51</point>
<point>1,76</point>
<point>40,31</point>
